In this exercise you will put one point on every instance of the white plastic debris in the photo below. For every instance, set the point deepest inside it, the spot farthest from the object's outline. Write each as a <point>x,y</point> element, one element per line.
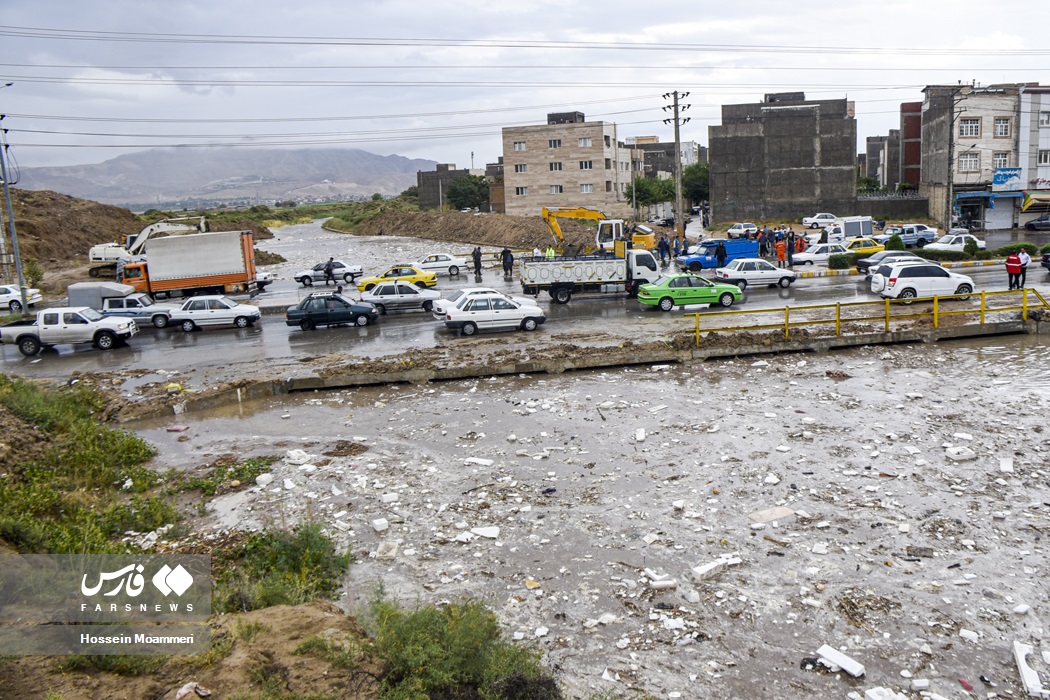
<point>833,657</point>
<point>380,525</point>
<point>264,479</point>
<point>639,435</point>
<point>390,498</point>
<point>479,461</point>
<point>1029,676</point>
<point>491,532</point>
<point>289,484</point>
<point>883,694</point>
<point>960,454</point>
<point>297,457</point>
<point>969,634</point>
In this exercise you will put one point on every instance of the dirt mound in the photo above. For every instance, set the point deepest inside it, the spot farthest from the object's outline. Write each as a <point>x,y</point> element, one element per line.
<point>518,232</point>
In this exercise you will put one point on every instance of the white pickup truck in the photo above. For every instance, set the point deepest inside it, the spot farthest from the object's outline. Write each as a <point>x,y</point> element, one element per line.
<point>67,325</point>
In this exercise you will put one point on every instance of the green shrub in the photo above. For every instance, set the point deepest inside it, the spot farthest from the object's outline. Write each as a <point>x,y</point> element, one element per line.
<point>844,261</point>
<point>1009,248</point>
<point>895,243</point>
<point>32,272</point>
<point>454,651</point>
<point>941,255</point>
<point>1045,249</point>
<point>971,247</point>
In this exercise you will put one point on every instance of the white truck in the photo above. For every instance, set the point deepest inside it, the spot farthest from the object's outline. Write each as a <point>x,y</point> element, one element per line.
<point>135,244</point>
<point>115,299</point>
<point>198,263</point>
<point>67,325</point>
<point>561,277</point>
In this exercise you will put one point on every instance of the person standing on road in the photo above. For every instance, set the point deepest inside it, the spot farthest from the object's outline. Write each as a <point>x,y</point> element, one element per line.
<point>663,247</point>
<point>791,248</point>
<point>537,253</point>
<point>720,254</point>
<point>550,252</point>
<point>507,258</point>
<point>329,271</point>
<point>763,250</point>
<point>676,247</point>
<point>1013,270</point>
<point>1025,260</point>
<point>781,247</point>
<point>476,255</point>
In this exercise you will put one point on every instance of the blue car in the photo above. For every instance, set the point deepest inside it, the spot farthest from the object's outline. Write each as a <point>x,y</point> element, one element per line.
<point>703,256</point>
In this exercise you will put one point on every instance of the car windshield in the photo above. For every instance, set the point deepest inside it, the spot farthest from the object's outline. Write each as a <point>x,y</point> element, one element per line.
<point>946,239</point>
<point>663,280</point>
<point>91,315</point>
<point>455,295</point>
<point>706,249</point>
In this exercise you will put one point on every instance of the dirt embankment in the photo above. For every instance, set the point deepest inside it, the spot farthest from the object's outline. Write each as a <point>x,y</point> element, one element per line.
<point>518,232</point>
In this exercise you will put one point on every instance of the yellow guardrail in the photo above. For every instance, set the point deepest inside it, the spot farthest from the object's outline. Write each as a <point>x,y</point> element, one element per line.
<point>843,312</point>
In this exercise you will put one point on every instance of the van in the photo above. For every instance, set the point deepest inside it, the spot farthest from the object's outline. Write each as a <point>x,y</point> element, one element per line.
<point>704,255</point>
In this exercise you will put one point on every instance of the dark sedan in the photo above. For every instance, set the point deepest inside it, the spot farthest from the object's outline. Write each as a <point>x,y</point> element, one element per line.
<point>867,265</point>
<point>329,309</point>
<point>1040,224</point>
<point>1046,261</point>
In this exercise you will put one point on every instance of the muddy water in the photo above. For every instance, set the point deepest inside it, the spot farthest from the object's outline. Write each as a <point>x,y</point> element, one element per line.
<point>891,550</point>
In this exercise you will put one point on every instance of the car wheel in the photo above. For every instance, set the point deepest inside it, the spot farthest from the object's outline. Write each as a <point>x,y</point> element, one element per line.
<point>964,291</point>
<point>453,271</point>
<point>529,324</point>
<point>907,294</point>
<point>726,300</point>
<point>742,284</point>
<point>921,243</point>
<point>666,304</point>
<point>785,282</point>
<point>382,309</point>
<point>307,324</point>
<point>160,321</point>
<point>1030,227</point>
<point>306,281</point>
<point>241,322</point>
<point>695,267</point>
<point>469,328</point>
<point>562,295</point>
<point>349,277</point>
<point>28,346</point>
<point>105,341</point>
<point>16,307</point>
<point>188,326</point>
<point>361,320</point>
<point>369,287</point>
<point>809,262</point>
<point>428,305</point>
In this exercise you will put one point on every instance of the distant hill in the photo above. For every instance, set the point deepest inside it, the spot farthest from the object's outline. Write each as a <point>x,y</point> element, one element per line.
<point>184,178</point>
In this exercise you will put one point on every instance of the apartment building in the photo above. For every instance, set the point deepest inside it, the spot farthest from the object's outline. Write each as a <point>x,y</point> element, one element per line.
<point>1033,175</point>
<point>567,162</point>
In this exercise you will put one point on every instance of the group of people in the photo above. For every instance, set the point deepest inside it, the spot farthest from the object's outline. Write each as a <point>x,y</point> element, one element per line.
<point>781,242</point>
<point>1017,268</point>
<point>669,249</point>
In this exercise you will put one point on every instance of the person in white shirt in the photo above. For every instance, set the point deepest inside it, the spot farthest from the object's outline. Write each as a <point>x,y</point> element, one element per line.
<point>1025,259</point>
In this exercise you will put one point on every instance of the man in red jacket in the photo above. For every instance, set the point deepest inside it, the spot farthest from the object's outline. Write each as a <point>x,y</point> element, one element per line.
<point>1013,269</point>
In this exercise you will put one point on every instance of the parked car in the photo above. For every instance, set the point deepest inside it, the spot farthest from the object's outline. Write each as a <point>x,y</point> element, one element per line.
<point>867,265</point>
<point>11,297</point>
<point>401,273</point>
<point>670,291</point>
<point>263,280</point>
<point>818,253</point>
<point>753,271</point>
<point>493,311</point>
<point>832,234</point>
<point>911,235</point>
<point>441,262</point>
<point>213,310</point>
<point>703,255</point>
<point>863,246</point>
<point>1040,224</point>
<point>398,295</point>
<point>329,309</point>
<point>1046,261</point>
<point>819,220</point>
<point>452,298</point>
<point>341,271</point>
<point>906,280</point>
<point>742,230</point>
<point>954,241</point>
<point>72,325</point>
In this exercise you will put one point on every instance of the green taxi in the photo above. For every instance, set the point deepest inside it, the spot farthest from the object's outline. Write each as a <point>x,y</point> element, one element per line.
<point>670,291</point>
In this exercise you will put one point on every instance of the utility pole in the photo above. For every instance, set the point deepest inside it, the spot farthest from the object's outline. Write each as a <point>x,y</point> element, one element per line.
<point>11,215</point>
<point>679,216</point>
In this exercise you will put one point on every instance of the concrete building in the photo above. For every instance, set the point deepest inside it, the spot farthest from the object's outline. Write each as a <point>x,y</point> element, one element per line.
<point>911,143</point>
<point>1034,149</point>
<point>785,157</point>
<point>889,175</point>
<point>659,157</point>
<point>969,134</point>
<point>433,185</point>
<point>567,162</point>
<point>875,157</point>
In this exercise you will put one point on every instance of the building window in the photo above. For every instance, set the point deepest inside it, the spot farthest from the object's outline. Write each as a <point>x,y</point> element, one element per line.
<point>585,142</point>
<point>1001,160</point>
<point>521,167</point>
<point>586,165</point>
<point>519,145</point>
<point>969,162</point>
<point>1044,157</point>
<point>1002,126</point>
<point>608,163</point>
<point>1044,119</point>
<point>608,142</point>
<point>969,127</point>
<point>555,167</point>
<point>556,189</point>
<point>608,186</point>
<point>521,191</point>
<point>586,189</point>
<point>554,143</point>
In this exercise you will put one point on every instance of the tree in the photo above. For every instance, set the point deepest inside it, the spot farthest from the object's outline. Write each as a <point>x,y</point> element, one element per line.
<point>695,181</point>
<point>645,191</point>
<point>468,192</point>
<point>377,197</point>
<point>412,191</point>
<point>895,243</point>
<point>868,183</point>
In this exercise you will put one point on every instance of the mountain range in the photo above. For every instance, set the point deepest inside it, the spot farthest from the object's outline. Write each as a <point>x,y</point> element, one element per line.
<point>184,178</point>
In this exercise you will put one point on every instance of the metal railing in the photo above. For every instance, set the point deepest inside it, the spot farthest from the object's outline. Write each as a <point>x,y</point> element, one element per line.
<point>843,313</point>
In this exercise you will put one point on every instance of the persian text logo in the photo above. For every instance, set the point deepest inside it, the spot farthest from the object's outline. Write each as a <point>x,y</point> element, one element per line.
<point>130,579</point>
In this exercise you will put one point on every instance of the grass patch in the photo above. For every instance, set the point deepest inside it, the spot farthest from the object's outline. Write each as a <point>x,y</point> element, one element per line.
<point>278,568</point>
<point>453,651</point>
<point>221,476</point>
<point>84,485</point>
<point>248,631</point>
<point>340,655</point>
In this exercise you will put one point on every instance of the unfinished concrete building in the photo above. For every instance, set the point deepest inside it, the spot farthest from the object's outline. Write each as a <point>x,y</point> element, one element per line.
<point>784,157</point>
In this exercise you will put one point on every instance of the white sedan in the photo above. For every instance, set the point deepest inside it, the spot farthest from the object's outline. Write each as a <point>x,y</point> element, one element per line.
<point>819,220</point>
<point>213,310</point>
<point>397,295</point>
<point>753,271</point>
<point>954,241</point>
<point>493,311</point>
<point>741,230</point>
<point>454,297</point>
<point>441,263</point>
<point>11,297</point>
<point>818,254</point>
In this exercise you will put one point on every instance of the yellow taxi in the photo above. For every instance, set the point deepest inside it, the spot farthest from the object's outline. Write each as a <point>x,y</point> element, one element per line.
<point>404,273</point>
<point>863,246</point>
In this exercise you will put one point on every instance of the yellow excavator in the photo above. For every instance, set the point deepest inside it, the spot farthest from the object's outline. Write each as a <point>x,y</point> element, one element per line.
<point>609,230</point>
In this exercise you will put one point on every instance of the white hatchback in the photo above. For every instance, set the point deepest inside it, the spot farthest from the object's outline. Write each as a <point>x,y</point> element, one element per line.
<point>911,280</point>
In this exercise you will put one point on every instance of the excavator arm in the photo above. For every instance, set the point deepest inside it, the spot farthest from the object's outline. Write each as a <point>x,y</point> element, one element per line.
<point>551,216</point>
<point>167,226</point>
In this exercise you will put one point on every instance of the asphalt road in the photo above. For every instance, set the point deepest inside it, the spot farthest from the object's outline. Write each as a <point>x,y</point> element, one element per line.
<point>271,340</point>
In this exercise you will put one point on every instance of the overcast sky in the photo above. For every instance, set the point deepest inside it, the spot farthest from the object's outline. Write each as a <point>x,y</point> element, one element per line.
<point>438,80</point>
